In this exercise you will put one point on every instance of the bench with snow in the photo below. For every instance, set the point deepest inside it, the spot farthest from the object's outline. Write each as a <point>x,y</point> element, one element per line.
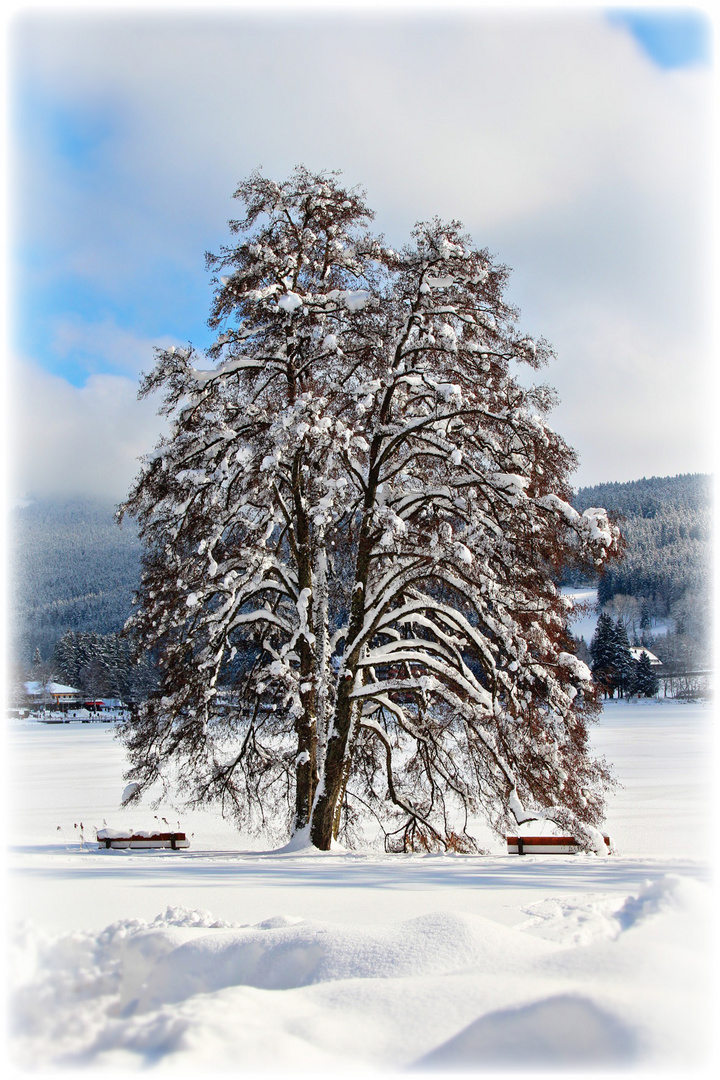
<point>111,838</point>
<point>545,845</point>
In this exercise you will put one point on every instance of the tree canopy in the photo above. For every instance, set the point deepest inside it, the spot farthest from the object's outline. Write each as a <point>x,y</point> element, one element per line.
<point>352,536</point>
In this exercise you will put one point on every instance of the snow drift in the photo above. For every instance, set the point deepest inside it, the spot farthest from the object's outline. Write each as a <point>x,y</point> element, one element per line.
<point>440,991</point>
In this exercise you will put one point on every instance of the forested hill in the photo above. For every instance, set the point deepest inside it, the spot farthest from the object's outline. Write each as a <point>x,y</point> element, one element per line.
<point>71,568</point>
<point>690,494</point>
<point>667,566</point>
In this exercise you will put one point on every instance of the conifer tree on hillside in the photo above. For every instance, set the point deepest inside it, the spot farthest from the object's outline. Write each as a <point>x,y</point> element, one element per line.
<point>612,663</point>
<point>624,663</point>
<point>646,680</point>
<point>602,651</point>
<point>667,528</point>
<point>351,536</point>
<point>102,665</point>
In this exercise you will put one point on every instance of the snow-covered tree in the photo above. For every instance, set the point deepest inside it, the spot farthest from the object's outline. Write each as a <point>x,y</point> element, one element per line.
<point>464,524</point>
<point>239,504</point>
<point>602,651</point>
<point>352,534</point>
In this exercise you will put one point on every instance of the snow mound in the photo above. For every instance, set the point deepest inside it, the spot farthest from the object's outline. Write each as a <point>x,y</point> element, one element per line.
<point>574,920</point>
<point>588,918</point>
<point>301,844</point>
<point>669,893</point>
<point>587,980</point>
<point>128,792</point>
<point>181,916</point>
<point>276,956</point>
<point>561,1031</point>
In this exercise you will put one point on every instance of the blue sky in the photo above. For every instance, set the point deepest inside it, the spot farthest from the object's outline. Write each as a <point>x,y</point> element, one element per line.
<point>672,38</point>
<point>573,144</point>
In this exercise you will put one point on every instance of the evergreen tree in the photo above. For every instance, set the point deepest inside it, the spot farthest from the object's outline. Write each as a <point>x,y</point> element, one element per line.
<point>667,531</point>
<point>602,652</point>
<point>581,650</point>
<point>612,663</point>
<point>646,680</point>
<point>73,569</point>
<point>623,663</point>
<point>104,665</point>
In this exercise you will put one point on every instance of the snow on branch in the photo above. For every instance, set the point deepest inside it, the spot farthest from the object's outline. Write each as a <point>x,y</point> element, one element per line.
<point>355,521</point>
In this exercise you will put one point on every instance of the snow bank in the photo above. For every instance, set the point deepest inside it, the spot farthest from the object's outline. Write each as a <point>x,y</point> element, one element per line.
<point>440,991</point>
<point>559,1032</point>
<point>385,960</point>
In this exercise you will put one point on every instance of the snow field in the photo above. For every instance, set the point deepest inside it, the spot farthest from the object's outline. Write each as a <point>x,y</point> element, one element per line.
<point>662,755</point>
<point>182,992</point>
<point>355,962</point>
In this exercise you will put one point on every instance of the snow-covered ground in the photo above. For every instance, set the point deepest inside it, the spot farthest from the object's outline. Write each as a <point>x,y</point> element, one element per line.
<point>584,622</point>
<point>227,957</point>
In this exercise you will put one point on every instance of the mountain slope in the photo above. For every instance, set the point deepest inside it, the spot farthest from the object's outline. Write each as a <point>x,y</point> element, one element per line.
<point>667,526</point>
<point>71,568</point>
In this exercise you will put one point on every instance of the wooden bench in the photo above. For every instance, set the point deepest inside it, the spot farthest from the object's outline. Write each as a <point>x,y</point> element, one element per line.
<point>545,845</point>
<point>110,838</point>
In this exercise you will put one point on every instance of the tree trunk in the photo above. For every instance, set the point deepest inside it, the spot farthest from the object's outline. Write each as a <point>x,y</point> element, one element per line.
<point>338,808</point>
<point>305,764</point>
<point>331,789</point>
<point>339,745</point>
<point>332,786</point>
<point>306,774</point>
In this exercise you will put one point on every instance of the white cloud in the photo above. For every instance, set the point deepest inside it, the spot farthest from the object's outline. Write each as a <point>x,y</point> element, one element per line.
<point>557,141</point>
<point>633,403</point>
<point>106,344</point>
<point>68,440</point>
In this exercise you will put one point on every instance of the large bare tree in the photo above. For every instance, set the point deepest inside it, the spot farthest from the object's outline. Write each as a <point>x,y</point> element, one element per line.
<point>352,536</point>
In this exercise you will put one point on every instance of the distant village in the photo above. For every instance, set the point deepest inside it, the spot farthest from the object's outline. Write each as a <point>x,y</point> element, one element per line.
<point>55,703</point>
